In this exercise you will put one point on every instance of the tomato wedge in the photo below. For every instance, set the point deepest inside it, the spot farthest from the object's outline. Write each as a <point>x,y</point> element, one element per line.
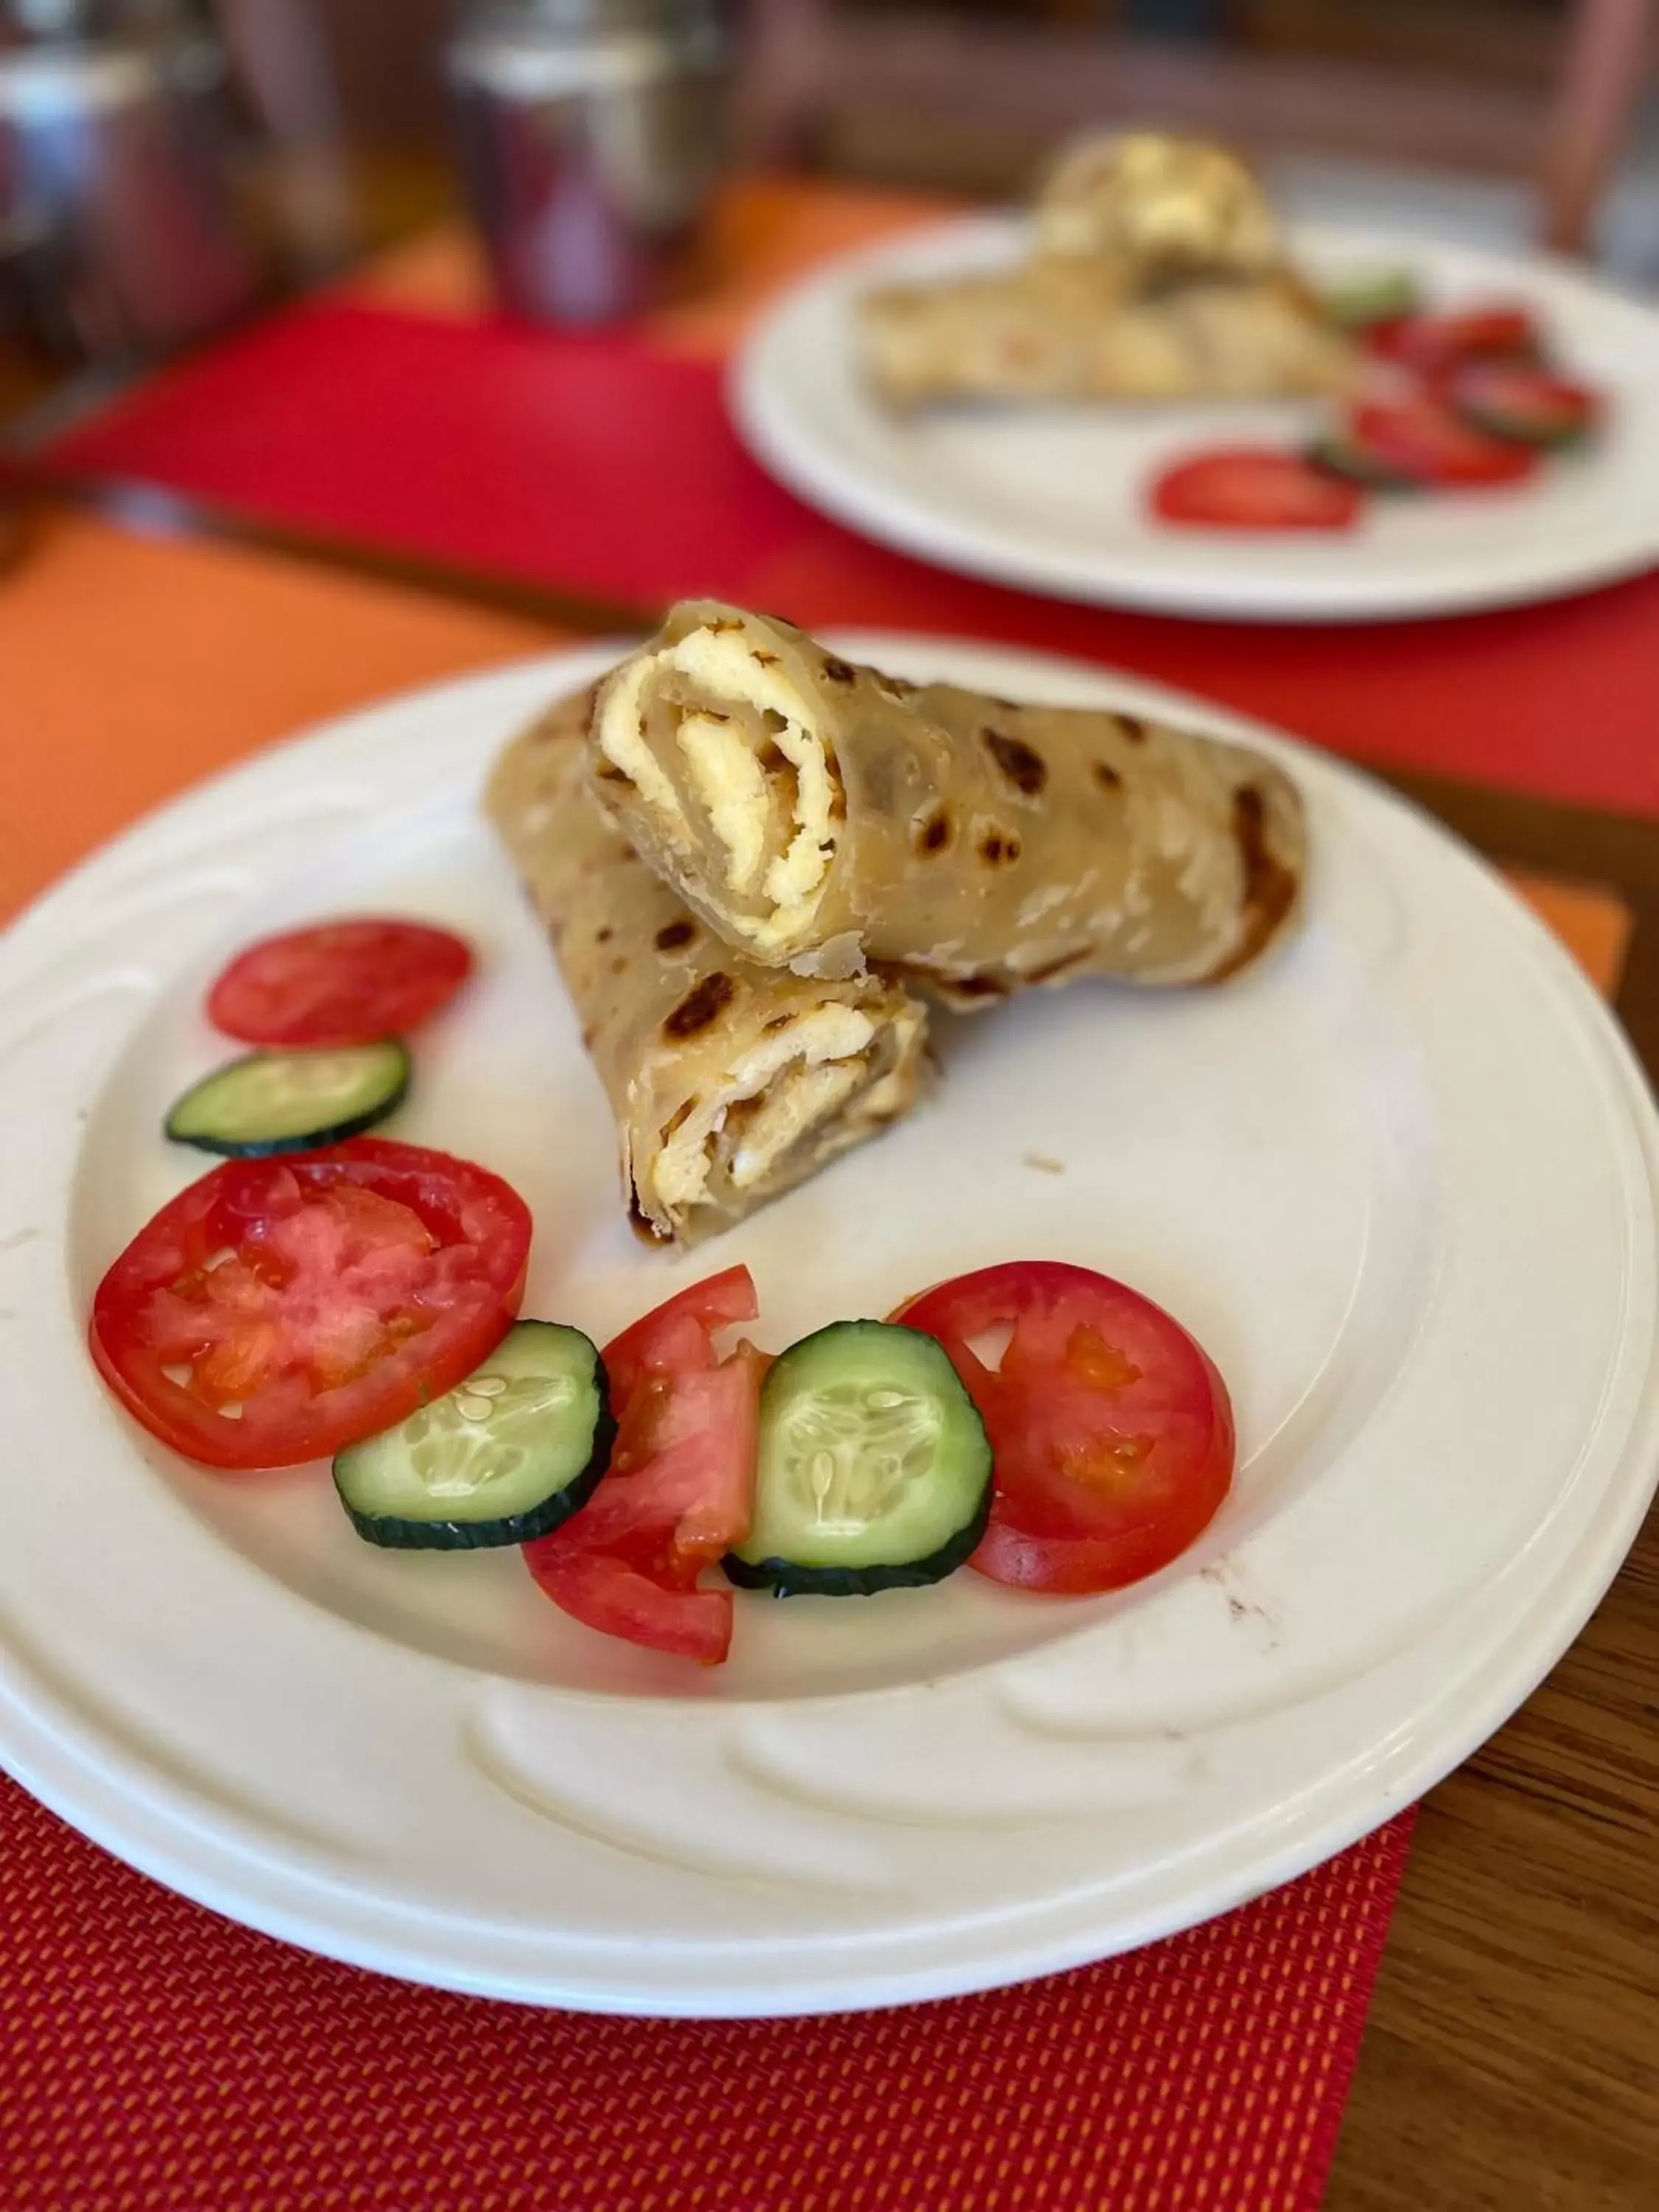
<point>1515,400</point>
<point>1254,487</point>
<point>680,1488</point>
<point>1112,1431</point>
<point>279,1309</point>
<point>1433,344</point>
<point>1421,438</point>
<point>345,983</point>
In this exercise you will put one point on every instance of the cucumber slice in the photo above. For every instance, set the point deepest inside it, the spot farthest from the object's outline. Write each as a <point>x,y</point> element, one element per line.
<point>875,1470</point>
<point>1356,303</point>
<point>503,1458</point>
<point>1346,456</point>
<point>291,1102</point>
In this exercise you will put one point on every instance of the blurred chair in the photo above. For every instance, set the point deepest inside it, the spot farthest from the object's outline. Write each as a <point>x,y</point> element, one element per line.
<point>904,74</point>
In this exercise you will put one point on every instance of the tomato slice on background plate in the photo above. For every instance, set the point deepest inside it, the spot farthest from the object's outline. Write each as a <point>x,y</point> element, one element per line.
<point>1254,487</point>
<point>279,1309</point>
<point>1112,1431</point>
<point>345,983</point>
<point>1515,400</point>
<point>680,1488</point>
<point>1433,344</point>
<point>1423,439</point>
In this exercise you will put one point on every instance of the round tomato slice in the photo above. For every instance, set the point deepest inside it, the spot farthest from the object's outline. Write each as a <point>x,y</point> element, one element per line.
<point>1515,400</point>
<point>280,1309</point>
<point>1432,344</point>
<point>1423,440</point>
<point>1111,1430</point>
<point>337,983</point>
<point>1254,487</point>
<point>680,1488</point>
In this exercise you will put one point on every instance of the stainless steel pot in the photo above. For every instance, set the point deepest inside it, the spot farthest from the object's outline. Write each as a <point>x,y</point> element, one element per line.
<point>112,151</point>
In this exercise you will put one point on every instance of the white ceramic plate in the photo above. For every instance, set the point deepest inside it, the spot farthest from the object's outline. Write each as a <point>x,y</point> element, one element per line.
<point>1400,1182</point>
<point>1052,499</point>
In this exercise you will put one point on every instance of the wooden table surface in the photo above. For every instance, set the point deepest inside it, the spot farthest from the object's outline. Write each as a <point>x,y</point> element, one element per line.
<point>1512,2056</point>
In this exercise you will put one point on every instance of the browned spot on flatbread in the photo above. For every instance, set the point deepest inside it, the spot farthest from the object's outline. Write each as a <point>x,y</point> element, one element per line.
<point>1107,777</point>
<point>763,659</point>
<point>1021,764</point>
<point>934,835</point>
<point>673,934</point>
<point>899,687</point>
<point>839,672</point>
<point>999,847</point>
<point>681,1114</point>
<point>701,1005</point>
<point>1132,728</point>
<point>1270,888</point>
<point>718,629</point>
<point>603,936</point>
<point>619,965</point>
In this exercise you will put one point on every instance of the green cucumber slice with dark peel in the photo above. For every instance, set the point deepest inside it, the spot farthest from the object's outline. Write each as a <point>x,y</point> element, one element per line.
<point>874,1467</point>
<point>1380,295</point>
<point>501,1459</point>
<point>1356,463</point>
<point>291,1102</point>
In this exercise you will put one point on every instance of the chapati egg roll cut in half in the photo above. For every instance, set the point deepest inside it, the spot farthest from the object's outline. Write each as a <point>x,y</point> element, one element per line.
<point>823,817</point>
<point>1157,272</point>
<point>729,1082</point>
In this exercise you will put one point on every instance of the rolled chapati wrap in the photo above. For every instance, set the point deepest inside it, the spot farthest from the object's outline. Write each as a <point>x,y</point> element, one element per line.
<point>1157,272</point>
<point>729,1082</point>
<point>823,817</point>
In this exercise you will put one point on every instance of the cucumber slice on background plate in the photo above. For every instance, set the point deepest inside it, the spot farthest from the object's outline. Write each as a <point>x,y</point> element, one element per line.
<point>291,1102</point>
<point>1376,296</point>
<point>503,1458</point>
<point>874,1471</point>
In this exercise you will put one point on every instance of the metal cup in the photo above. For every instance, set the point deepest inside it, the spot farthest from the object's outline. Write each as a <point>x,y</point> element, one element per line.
<point>590,132</point>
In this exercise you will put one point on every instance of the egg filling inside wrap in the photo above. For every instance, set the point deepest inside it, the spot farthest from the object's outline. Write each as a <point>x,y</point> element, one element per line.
<point>823,817</point>
<point>729,1082</point>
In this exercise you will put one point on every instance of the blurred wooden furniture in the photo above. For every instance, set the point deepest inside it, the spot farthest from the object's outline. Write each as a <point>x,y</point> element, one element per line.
<point>1608,63</point>
<point>899,86</point>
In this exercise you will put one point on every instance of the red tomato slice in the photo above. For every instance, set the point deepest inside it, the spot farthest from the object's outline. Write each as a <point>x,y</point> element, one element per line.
<point>1512,399</point>
<point>1254,487</point>
<point>680,1488</point>
<point>1423,439</point>
<point>279,1309</point>
<point>342,983</point>
<point>1432,344</point>
<point>1112,1432</point>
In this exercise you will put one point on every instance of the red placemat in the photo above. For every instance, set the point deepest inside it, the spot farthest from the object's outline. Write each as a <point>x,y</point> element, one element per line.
<point>607,467</point>
<point>155,2058</point>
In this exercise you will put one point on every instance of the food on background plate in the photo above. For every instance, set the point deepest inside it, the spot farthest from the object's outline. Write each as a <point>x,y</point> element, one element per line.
<point>503,1458</point>
<point>823,816</point>
<point>1254,487</point>
<point>730,1082</point>
<point>1112,1430</point>
<point>1460,401</point>
<point>349,981</point>
<point>680,1491</point>
<point>874,1471</point>
<point>280,1309</point>
<point>291,1102</point>
<point>1157,272</point>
